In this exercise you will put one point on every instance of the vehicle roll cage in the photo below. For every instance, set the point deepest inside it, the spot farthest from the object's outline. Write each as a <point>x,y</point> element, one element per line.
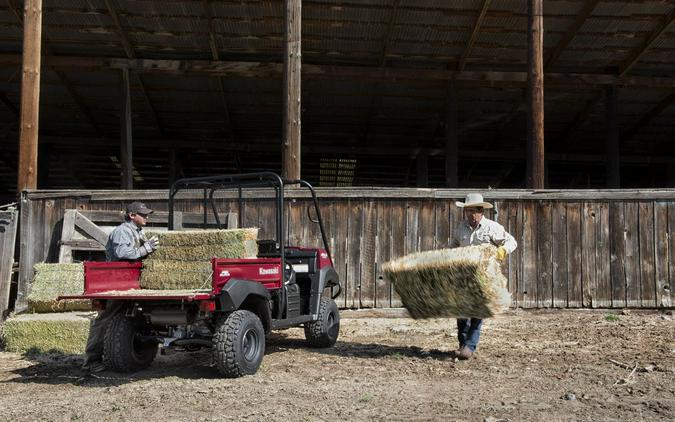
<point>211,184</point>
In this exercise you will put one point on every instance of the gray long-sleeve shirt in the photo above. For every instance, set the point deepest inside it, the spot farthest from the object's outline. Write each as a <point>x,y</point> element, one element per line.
<point>488,231</point>
<point>126,242</point>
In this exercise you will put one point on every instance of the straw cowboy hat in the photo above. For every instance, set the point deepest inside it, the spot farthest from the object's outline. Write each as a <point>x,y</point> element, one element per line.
<point>473,200</point>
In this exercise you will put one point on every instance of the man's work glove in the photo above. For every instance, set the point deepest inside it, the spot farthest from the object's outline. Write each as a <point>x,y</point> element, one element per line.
<point>151,245</point>
<point>501,253</point>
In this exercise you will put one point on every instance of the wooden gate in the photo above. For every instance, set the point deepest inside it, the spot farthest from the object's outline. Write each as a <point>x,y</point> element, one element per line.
<point>8,225</point>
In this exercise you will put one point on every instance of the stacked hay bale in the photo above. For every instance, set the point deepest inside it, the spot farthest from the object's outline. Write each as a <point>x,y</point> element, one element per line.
<point>461,282</point>
<point>47,333</point>
<point>183,260</point>
<point>53,280</point>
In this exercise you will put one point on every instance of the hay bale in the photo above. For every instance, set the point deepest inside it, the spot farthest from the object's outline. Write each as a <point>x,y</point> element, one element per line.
<point>239,249</point>
<point>53,280</point>
<point>183,260</point>
<point>47,333</point>
<point>460,283</point>
<point>175,275</point>
<point>203,237</point>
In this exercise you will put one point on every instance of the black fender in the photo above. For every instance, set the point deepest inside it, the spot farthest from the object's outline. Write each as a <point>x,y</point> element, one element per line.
<point>328,277</point>
<point>249,295</point>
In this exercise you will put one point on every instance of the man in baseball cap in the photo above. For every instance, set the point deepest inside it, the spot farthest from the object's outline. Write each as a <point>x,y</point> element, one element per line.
<point>126,242</point>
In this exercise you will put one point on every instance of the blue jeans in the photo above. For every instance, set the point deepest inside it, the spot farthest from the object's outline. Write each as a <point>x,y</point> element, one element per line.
<point>468,332</point>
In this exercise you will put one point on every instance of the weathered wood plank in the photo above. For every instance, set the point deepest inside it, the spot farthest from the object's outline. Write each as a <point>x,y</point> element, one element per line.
<point>66,251</point>
<point>559,254</point>
<point>603,256</point>
<point>671,263</point>
<point>530,291</point>
<point>646,247</point>
<point>398,233</point>
<point>90,228</point>
<point>501,215</point>
<point>574,278</point>
<point>544,255</point>
<point>383,254</point>
<point>442,228</point>
<point>618,255</point>
<point>412,229</point>
<point>368,267</point>
<point>632,254</point>
<point>340,239</point>
<point>588,258</point>
<point>8,228</point>
<point>661,253</point>
<point>515,227</point>
<point>354,246</point>
<point>427,225</point>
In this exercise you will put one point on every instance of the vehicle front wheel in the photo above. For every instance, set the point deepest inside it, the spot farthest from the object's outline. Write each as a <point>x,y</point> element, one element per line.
<point>239,344</point>
<point>324,331</point>
<point>123,349</point>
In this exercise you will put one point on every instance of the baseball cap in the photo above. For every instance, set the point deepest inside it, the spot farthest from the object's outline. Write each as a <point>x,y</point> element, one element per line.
<point>138,208</point>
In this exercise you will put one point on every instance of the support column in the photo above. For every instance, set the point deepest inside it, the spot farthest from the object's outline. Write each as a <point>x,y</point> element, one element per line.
<point>422,170</point>
<point>612,147</point>
<point>30,95</point>
<point>126,141</point>
<point>535,95</point>
<point>292,92</point>
<point>451,138</point>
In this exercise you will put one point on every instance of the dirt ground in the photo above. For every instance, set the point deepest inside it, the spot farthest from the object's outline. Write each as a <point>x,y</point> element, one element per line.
<point>552,365</point>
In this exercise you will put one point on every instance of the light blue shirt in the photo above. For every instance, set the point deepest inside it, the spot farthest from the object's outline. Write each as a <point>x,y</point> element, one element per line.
<point>487,231</point>
<point>126,242</point>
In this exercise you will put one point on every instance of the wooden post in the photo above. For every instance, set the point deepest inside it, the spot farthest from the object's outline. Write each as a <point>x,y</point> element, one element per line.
<point>451,139</point>
<point>30,95</point>
<point>422,170</point>
<point>126,141</point>
<point>613,179</point>
<point>535,95</point>
<point>292,63</point>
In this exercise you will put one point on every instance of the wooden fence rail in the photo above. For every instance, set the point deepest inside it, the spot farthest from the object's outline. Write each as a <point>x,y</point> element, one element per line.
<point>576,248</point>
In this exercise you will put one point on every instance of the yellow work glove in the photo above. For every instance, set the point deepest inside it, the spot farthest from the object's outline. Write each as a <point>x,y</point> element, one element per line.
<point>501,253</point>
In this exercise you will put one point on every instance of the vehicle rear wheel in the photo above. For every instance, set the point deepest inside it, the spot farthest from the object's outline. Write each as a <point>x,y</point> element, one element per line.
<point>324,332</point>
<point>123,350</point>
<point>239,344</point>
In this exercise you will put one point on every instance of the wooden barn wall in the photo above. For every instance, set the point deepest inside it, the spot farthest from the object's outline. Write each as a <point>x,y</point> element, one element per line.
<point>591,250</point>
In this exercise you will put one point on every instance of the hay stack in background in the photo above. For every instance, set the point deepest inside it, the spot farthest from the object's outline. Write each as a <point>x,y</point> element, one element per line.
<point>47,333</point>
<point>460,282</point>
<point>54,280</point>
<point>183,260</point>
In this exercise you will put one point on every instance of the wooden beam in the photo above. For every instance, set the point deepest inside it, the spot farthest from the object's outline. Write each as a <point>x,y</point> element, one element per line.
<point>291,165</point>
<point>535,91</point>
<point>121,33</point>
<point>583,14</point>
<point>648,117</point>
<point>30,96</point>
<point>451,138</point>
<point>268,70</point>
<point>461,63</point>
<point>126,139</point>
<point>613,165</point>
<point>636,54</point>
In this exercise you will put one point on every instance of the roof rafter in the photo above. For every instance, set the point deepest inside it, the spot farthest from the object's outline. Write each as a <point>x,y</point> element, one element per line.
<point>633,58</point>
<point>648,117</point>
<point>474,34</point>
<point>584,13</point>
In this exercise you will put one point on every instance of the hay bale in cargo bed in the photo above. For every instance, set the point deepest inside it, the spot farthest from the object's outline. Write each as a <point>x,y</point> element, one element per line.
<point>172,275</point>
<point>183,260</point>
<point>47,333</point>
<point>460,282</point>
<point>54,280</point>
<point>203,237</point>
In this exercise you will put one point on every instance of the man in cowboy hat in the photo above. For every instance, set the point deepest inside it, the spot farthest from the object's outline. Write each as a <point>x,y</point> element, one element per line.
<point>476,229</point>
<point>126,242</point>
